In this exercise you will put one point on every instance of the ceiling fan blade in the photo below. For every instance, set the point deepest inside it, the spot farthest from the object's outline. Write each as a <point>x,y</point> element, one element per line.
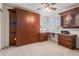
<point>48,3</point>
<point>44,5</point>
<point>53,3</point>
<point>38,8</point>
<point>53,8</point>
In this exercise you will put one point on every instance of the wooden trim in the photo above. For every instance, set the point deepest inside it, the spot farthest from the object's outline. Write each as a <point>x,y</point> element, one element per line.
<point>76,49</point>
<point>71,12</point>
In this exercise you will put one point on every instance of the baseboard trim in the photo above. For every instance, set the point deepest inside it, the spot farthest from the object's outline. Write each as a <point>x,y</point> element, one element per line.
<point>76,48</point>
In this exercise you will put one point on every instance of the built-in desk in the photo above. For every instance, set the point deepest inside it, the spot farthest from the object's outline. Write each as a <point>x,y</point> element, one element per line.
<point>67,40</point>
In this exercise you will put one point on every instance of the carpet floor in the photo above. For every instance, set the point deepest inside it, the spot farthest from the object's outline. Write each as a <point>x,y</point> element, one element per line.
<point>47,48</point>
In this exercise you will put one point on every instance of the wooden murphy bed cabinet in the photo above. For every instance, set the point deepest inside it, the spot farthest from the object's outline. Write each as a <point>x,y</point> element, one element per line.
<point>24,27</point>
<point>67,40</point>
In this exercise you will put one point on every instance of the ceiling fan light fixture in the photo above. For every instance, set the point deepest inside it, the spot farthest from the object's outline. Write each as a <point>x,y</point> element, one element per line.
<point>47,10</point>
<point>47,7</point>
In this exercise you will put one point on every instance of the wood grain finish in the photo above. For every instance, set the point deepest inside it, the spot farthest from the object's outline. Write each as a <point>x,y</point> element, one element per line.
<point>43,37</point>
<point>35,27</point>
<point>68,41</point>
<point>27,27</point>
<point>72,11</point>
<point>12,27</point>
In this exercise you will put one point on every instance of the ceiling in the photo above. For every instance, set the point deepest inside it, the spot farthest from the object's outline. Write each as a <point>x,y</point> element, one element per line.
<point>33,7</point>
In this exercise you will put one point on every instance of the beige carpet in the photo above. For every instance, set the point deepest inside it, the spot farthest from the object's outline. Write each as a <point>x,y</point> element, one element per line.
<point>47,48</point>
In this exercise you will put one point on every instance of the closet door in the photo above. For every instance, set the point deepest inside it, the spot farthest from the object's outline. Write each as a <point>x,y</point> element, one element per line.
<point>34,27</point>
<point>22,35</point>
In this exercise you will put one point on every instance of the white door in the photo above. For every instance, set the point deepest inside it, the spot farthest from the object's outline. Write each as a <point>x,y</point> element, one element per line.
<point>0,24</point>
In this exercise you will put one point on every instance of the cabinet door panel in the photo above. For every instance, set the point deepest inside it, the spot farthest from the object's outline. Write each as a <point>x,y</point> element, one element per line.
<point>27,27</point>
<point>60,39</point>
<point>22,28</point>
<point>34,27</point>
<point>34,36</point>
<point>43,36</point>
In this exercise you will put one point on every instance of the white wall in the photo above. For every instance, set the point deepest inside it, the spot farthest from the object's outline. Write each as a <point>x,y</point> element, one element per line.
<point>5,27</point>
<point>0,24</point>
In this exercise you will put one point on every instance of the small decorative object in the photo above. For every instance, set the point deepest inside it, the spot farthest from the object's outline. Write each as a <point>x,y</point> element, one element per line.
<point>15,39</point>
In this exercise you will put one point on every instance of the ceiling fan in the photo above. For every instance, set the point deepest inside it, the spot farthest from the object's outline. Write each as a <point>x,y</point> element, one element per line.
<point>47,6</point>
